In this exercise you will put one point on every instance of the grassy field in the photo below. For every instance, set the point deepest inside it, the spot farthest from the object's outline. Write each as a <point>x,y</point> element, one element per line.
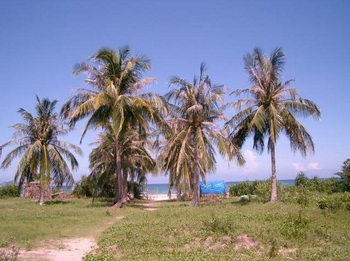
<point>176,231</point>
<point>27,225</point>
<point>179,232</point>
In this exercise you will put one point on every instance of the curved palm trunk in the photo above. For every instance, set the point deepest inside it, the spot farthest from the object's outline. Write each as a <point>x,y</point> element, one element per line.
<point>273,177</point>
<point>119,176</point>
<point>195,189</point>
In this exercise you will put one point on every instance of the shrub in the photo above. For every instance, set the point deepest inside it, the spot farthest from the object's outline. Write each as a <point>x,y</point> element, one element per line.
<point>9,191</point>
<point>261,188</point>
<point>299,195</point>
<point>83,188</point>
<point>219,225</point>
<point>90,187</point>
<point>344,175</point>
<point>295,226</point>
<point>301,180</point>
<point>335,202</point>
<point>242,188</point>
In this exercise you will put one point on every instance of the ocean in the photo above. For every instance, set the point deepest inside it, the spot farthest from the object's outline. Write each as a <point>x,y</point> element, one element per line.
<point>162,189</point>
<point>153,189</point>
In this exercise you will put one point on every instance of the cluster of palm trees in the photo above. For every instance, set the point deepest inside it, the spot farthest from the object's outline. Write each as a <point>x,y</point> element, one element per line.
<point>181,129</point>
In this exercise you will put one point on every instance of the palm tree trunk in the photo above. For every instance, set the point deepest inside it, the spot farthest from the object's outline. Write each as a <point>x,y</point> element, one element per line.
<point>125,186</point>
<point>119,174</point>
<point>273,177</point>
<point>132,189</point>
<point>195,188</point>
<point>41,196</point>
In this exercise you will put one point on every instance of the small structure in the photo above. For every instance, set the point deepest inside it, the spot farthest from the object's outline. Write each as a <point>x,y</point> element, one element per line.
<point>212,188</point>
<point>32,190</point>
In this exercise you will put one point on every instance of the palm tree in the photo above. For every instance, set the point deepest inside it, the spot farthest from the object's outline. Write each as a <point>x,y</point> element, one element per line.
<point>195,109</point>
<point>116,80</point>
<point>271,109</point>
<point>42,154</point>
<point>136,161</point>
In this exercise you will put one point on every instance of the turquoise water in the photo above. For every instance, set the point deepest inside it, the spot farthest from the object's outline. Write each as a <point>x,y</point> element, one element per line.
<point>163,188</point>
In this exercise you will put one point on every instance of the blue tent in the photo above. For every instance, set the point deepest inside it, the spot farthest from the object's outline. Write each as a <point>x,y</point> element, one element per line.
<point>212,187</point>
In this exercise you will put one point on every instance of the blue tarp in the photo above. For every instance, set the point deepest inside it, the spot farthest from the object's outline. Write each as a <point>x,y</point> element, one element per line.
<point>212,187</point>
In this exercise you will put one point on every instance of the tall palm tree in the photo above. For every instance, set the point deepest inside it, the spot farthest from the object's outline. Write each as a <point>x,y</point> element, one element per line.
<point>116,81</point>
<point>195,109</point>
<point>42,154</point>
<point>271,109</point>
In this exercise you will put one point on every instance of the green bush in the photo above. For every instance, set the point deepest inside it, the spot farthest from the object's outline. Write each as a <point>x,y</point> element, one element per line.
<point>242,188</point>
<point>219,225</point>
<point>84,188</point>
<point>90,187</point>
<point>301,180</point>
<point>344,175</point>
<point>299,195</point>
<point>9,191</point>
<point>335,202</point>
<point>261,188</point>
<point>329,186</point>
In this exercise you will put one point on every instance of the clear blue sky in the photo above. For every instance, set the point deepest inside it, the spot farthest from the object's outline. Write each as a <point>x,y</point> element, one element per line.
<point>40,41</point>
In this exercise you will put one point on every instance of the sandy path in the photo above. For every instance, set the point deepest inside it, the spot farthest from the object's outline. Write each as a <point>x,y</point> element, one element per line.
<point>152,206</point>
<point>72,249</point>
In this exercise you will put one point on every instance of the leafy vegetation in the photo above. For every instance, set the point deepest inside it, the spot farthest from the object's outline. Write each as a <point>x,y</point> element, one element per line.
<point>92,188</point>
<point>259,188</point>
<point>9,191</point>
<point>345,174</point>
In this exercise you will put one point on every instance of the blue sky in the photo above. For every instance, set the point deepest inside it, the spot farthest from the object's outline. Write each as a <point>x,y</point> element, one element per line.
<point>40,41</point>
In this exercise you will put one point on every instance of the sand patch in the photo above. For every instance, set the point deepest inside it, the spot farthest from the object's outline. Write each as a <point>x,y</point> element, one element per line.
<point>70,249</point>
<point>245,241</point>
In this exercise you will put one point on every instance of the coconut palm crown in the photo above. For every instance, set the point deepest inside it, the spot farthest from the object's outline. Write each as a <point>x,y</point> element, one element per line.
<point>270,109</point>
<point>42,155</point>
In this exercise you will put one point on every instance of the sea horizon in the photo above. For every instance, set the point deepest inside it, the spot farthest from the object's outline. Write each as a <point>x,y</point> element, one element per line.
<point>163,188</point>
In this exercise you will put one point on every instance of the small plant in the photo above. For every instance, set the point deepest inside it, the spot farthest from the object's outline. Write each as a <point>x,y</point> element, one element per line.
<point>273,252</point>
<point>222,226</point>
<point>295,227</point>
<point>98,257</point>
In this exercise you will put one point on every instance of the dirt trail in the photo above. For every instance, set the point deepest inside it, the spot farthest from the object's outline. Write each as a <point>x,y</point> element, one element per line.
<point>152,206</point>
<point>72,249</point>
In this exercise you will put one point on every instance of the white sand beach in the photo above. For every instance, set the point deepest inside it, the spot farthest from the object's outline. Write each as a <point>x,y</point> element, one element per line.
<point>160,197</point>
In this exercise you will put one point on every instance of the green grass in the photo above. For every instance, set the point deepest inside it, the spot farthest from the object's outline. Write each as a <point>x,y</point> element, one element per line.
<point>27,225</point>
<point>179,232</point>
